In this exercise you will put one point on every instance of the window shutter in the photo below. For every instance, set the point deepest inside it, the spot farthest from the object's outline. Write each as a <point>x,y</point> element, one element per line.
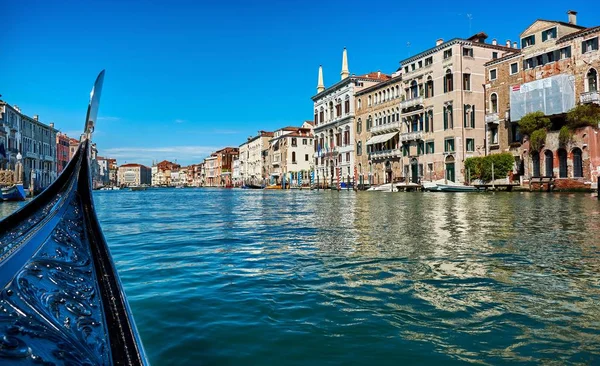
<point>445,119</point>
<point>583,47</point>
<point>465,115</point>
<point>446,83</point>
<point>544,36</point>
<point>473,116</point>
<point>426,122</point>
<point>532,40</point>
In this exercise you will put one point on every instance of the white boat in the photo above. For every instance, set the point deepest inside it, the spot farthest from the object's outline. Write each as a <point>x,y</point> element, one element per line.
<point>387,187</point>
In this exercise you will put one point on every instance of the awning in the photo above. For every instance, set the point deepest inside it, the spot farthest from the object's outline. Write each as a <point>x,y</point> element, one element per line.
<point>381,138</point>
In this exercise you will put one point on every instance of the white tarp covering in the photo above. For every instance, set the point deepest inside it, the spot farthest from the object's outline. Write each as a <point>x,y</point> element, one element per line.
<point>381,138</point>
<point>553,95</point>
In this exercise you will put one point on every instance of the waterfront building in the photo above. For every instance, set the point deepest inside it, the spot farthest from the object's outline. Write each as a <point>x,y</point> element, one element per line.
<point>235,175</point>
<point>555,70</point>
<point>113,169</point>
<point>377,125</point>
<point>10,135</point>
<point>62,152</point>
<point>334,112</point>
<point>290,152</point>
<point>163,172</point>
<point>34,140</point>
<point>210,171</point>
<point>103,171</point>
<point>39,152</point>
<point>133,174</point>
<point>252,170</point>
<point>442,107</point>
<point>224,165</point>
<point>73,145</point>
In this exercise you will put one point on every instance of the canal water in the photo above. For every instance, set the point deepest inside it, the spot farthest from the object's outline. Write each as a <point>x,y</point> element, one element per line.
<point>244,277</point>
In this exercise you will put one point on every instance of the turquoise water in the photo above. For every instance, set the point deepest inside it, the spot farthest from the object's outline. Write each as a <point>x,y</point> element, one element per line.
<point>244,277</point>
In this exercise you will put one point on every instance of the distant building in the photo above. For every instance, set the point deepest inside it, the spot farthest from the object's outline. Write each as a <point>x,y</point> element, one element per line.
<point>163,173</point>
<point>62,152</point>
<point>210,171</point>
<point>133,175</point>
<point>236,176</point>
<point>224,165</point>
<point>103,171</point>
<point>252,170</point>
<point>39,152</point>
<point>112,171</point>
<point>73,145</point>
<point>290,152</point>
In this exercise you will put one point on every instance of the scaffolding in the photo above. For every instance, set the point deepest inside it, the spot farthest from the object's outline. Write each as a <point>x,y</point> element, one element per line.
<point>553,95</point>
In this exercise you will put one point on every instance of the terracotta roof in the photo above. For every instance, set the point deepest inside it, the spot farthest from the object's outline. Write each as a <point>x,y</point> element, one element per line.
<point>377,75</point>
<point>312,123</point>
<point>579,33</point>
<point>131,165</point>
<point>228,149</point>
<point>297,135</point>
<point>379,85</point>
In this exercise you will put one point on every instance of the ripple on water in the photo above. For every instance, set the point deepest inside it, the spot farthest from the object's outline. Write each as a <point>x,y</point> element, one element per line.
<point>233,277</point>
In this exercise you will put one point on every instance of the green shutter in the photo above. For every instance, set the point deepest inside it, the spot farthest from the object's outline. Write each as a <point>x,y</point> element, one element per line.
<point>473,116</point>
<point>465,114</point>
<point>544,36</point>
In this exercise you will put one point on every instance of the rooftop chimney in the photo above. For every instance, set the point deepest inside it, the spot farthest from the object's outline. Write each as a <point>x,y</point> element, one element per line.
<point>378,74</point>
<point>439,42</point>
<point>51,124</point>
<point>36,117</point>
<point>514,44</point>
<point>494,42</point>
<point>572,17</point>
<point>508,43</point>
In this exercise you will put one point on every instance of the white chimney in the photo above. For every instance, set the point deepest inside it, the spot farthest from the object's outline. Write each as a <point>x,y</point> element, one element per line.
<point>439,42</point>
<point>378,74</point>
<point>514,44</point>
<point>36,117</point>
<point>572,17</point>
<point>494,42</point>
<point>508,43</point>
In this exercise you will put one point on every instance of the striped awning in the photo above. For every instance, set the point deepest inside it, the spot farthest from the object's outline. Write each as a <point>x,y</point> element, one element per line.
<point>377,139</point>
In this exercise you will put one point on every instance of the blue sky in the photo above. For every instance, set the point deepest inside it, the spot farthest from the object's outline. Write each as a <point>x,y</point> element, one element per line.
<point>186,77</point>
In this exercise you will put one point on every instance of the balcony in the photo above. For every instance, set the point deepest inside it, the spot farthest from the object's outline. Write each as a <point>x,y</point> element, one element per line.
<point>385,128</point>
<point>411,102</point>
<point>411,136</point>
<point>492,118</point>
<point>590,97</point>
<point>384,154</point>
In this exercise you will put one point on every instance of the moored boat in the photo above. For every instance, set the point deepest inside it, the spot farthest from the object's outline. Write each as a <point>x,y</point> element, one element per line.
<point>14,193</point>
<point>63,301</point>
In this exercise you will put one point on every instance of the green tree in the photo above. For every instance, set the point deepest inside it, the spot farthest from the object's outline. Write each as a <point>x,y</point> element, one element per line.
<point>481,167</point>
<point>583,115</point>
<point>537,139</point>
<point>532,122</point>
<point>565,136</point>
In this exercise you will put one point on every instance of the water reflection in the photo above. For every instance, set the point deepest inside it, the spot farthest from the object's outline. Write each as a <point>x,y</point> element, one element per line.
<point>254,277</point>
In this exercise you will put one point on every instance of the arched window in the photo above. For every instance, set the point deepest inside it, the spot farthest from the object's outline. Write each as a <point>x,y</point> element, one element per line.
<point>359,126</point>
<point>549,158</point>
<point>592,80</point>
<point>562,163</point>
<point>494,103</point>
<point>321,115</point>
<point>429,87</point>
<point>369,101</point>
<point>397,91</point>
<point>316,117</point>
<point>359,104</point>
<point>414,89</point>
<point>359,148</point>
<point>577,163</point>
<point>448,81</point>
<point>330,111</point>
<point>369,123</point>
<point>293,156</point>
<point>535,159</point>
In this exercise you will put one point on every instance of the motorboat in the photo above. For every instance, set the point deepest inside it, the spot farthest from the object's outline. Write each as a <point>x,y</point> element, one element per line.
<point>14,192</point>
<point>62,300</point>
